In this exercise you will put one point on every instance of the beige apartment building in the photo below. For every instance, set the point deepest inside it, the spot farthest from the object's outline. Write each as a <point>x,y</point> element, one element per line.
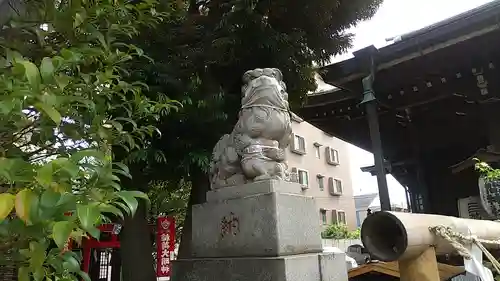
<point>322,165</point>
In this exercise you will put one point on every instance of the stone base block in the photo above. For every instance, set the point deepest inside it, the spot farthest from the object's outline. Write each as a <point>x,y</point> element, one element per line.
<point>270,224</point>
<point>253,188</point>
<point>309,267</point>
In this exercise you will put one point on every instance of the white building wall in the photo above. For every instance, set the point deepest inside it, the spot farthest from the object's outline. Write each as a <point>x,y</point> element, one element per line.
<point>315,166</point>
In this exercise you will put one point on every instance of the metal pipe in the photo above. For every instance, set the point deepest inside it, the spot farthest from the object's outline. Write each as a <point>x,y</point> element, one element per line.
<point>370,103</point>
<point>383,189</point>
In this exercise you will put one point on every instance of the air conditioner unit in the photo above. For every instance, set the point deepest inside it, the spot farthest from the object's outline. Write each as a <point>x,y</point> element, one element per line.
<point>294,177</point>
<point>470,208</point>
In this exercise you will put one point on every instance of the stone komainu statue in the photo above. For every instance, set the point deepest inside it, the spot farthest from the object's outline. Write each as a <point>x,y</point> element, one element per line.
<point>255,149</point>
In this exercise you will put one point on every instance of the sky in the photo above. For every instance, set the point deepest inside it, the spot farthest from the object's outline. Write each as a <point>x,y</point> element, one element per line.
<point>394,18</point>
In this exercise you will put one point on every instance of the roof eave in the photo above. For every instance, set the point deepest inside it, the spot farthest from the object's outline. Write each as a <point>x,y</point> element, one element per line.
<point>410,46</point>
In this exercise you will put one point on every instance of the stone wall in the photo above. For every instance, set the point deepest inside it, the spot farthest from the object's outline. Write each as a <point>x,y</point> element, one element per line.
<point>342,244</point>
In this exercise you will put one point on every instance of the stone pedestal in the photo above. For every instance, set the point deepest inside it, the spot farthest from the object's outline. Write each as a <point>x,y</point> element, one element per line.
<point>259,231</point>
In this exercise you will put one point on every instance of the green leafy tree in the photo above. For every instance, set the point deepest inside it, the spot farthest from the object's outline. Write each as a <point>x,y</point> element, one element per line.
<point>170,200</point>
<point>340,231</point>
<point>62,70</point>
<point>200,53</point>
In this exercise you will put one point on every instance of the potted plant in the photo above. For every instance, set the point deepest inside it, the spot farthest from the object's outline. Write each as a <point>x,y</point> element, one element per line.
<point>489,188</point>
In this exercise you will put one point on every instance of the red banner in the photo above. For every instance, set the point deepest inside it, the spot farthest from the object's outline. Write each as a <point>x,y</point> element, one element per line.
<point>165,245</point>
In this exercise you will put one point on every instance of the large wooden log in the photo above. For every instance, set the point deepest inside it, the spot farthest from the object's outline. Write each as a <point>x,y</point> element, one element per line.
<point>391,236</point>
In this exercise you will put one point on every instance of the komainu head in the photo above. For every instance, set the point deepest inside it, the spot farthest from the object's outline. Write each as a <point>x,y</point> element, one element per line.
<point>264,86</point>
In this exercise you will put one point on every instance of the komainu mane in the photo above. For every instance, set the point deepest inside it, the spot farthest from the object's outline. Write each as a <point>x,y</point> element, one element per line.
<point>255,149</point>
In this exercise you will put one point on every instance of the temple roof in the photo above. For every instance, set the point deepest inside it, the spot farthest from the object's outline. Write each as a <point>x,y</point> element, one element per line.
<point>430,87</point>
<point>452,28</point>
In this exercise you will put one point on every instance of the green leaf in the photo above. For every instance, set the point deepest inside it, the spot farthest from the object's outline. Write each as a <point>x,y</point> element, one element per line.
<point>103,133</point>
<point>31,73</point>
<point>130,121</point>
<point>50,198</point>
<point>47,70</point>
<point>23,274</point>
<point>124,173</point>
<point>124,207</point>
<point>62,81</point>
<point>7,202</point>
<point>84,276</point>
<point>139,195</point>
<point>67,199</point>
<point>88,215</point>
<point>77,236</point>
<point>78,20</point>
<point>35,208</point>
<point>107,208</point>
<point>116,186</point>
<point>71,263</point>
<point>130,200</point>
<point>50,111</point>
<point>44,174</point>
<point>72,169</point>
<point>61,232</point>
<point>101,39</point>
<point>123,167</point>
<point>94,232</point>
<point>23,204</point>
<point>116,125</point>
<point>63,164</point>
<point>114,178</point>
<point>37,255</point>
<point>39,274</point>
<point>13,57</point>
<point>80,155</point>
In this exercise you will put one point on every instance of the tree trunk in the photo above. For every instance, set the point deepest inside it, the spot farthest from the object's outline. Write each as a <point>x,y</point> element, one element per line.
<point>116,265</point>
<point>199,188</point>
<point>136,247</point>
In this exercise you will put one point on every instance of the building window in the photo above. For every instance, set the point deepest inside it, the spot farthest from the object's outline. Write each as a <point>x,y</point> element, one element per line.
<point>332,156</point>
<point>303,177</point>
<point>298,144</point>
<point>322,213</point>
<point>335,186</point>
<point>321,182</point>
<point>341,217</point>
<point>317,150</point>
<point>338,186</point>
